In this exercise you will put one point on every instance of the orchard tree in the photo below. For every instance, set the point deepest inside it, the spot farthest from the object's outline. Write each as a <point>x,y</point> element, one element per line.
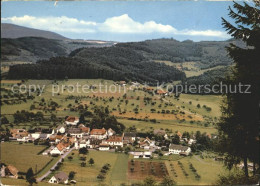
<point>91,161</point>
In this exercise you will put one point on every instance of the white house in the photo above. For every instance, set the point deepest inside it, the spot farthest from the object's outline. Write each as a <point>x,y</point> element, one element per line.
<point>56,151</point>
<point>26,139</point>
<point>114,141</point>
<point>141,154</point>
<point>137,154</point>
<point>61,177</point>
<point>147,154</point>
<point>61,129</point>
<point>36,135</point>
<point>177,149</point>
<point>60,149</point>
<point>71,120</point>
<point>191,141</point>
<point>147,143</point>
<point>103,147</point>
<point>98,133</point>
<point>82,143</point>
<point>110,132</point>
<point>75,132</point>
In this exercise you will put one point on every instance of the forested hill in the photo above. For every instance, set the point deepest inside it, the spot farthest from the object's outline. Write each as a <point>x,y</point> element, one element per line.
<point>32,49</point>
<point>115,63</point>
<point>209,77</point>
<point>208,53</point>
<point>129,61</point>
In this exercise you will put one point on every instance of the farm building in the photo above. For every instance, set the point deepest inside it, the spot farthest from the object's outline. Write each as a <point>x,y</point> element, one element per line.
<point>141,154</point>
<point>61,129</point>
<point>103,147</point>
<point>98,133</point>
<point>76,132</point>
<point>16,133</point>
<point>114,141</point>
<point>161,92</point>
<point>177,149</point>
<point>72,120</point>
<point>9,171</point>
<point>61,177</point>
<point>110,132</point>
<point>129,137</point>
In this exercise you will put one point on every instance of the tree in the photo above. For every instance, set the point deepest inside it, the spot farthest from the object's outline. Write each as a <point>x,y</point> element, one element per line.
<point>70,158</point>
<point>149,181</point>
<point>83,164</point>
<point>53,117</point>
<point>167,181</point>
<point>176,139</point>
<point>71,175</point>
<point>83,150</point>
<point>238,126</point>
<point>91,161</point>
<point>101,177</point>
<point>4,120</point>
<point>30,176</point>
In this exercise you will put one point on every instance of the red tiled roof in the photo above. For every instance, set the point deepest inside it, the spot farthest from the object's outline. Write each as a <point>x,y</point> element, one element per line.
<point>179,134</point>
<point>98,131</point>
<point>62,146</point>
<point>115,139</point>
<point>161,92</point>
<point>71,119</point>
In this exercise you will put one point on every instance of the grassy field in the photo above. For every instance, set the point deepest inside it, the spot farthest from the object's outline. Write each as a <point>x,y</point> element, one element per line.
<point>192,118</point>
<point>23,156</point>
<point>20,182</point>
<point>174,126</point>
<point>206,167</point>
<point>88,175</point>
<point>189,68</point>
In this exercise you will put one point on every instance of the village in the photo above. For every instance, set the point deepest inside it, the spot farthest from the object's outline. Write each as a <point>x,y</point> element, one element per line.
<point>73,135</point>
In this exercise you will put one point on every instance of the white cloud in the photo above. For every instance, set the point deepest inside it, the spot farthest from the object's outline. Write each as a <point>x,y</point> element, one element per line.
<point>56,24</point>
<point>120,24</point>
<point>124,24</point>
<point>208,33</point>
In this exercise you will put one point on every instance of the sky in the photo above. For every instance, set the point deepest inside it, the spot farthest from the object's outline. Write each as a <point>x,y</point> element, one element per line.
<point>122,21</point>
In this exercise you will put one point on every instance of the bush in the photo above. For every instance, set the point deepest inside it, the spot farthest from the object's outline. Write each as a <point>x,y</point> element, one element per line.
<point>101,177</point>
<point>70,158</point>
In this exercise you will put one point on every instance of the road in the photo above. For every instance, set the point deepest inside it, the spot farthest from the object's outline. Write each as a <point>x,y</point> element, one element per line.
<point>49,171</point>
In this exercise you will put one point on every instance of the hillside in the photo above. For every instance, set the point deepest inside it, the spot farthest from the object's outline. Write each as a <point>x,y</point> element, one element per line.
<point>135,61</point>
<point>208,53</point>
<point>15,31</point>
<point>114,63</point>
<point>32,49</point>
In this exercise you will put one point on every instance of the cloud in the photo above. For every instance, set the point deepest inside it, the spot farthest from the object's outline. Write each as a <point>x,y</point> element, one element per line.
<point>116,25</point>
<point>56,24</point>
<point>208,33</point>
<point>124,24</point>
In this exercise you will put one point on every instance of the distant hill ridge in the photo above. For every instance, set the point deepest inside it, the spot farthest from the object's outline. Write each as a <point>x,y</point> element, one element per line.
<point>15,31</point>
